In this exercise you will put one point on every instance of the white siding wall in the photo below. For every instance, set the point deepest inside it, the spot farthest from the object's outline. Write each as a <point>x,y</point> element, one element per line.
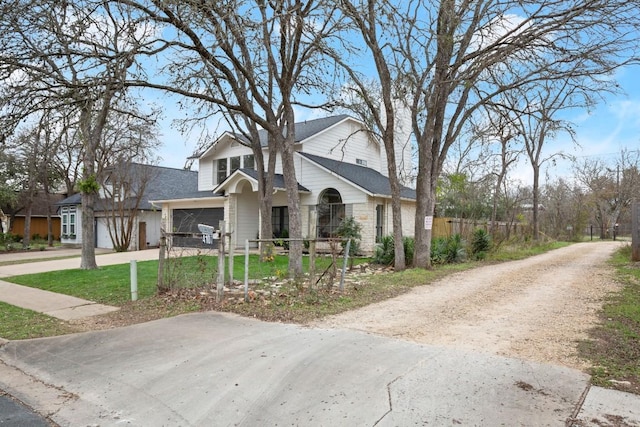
<point>154,221</point>
<point>206,171</point>
<point>408,218</point>
<point>343,142</point>
<point>403,146</point>
<point>317,179</point>
<point>247,214</point>
<point>103,240</point>
<point>207,165</point>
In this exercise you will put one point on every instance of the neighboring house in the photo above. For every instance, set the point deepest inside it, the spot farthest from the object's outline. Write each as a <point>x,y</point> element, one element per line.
<point>160,183</point>
<point>43,206</point>
<point>341,171</point>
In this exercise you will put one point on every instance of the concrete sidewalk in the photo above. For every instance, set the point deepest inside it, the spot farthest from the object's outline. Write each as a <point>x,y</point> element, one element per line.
<point>63,307</point>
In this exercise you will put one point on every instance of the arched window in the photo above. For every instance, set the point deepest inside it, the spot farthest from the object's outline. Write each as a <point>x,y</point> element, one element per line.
<point>330,211</point>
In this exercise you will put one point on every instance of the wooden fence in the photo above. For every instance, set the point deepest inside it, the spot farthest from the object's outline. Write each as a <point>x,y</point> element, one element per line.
<point>38,226</point>
<point>446,227</point>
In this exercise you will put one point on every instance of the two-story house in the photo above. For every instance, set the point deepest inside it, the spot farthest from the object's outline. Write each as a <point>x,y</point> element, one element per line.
<point>341,171</point>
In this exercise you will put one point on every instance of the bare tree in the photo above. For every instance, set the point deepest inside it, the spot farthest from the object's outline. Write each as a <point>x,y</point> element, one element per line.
<point>251,61</point>
<point>497,132</point>
<point>377,104</point>
<point>566,210</point>
<point>35,148</point>
<point>610,186</point>
<point>124,190</point>
<point>69,55</point>
<point>537,121</point>
<point>455,53</point>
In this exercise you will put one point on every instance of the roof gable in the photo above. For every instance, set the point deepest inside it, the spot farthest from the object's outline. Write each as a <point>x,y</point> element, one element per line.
<point>368,179</point>
<point>304,130</point>
<point>252,176</point>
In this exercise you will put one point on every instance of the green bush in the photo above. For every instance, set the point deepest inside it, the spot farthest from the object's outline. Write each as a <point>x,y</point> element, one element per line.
<point>9,240</point>
<point>409,249</point>
<point>480,244</point>
<point>448,250</point>
<point>385,251</point>
<point>349,228</point>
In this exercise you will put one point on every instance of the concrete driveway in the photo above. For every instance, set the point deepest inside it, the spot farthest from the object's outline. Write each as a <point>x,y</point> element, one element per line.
<point>216,369</point>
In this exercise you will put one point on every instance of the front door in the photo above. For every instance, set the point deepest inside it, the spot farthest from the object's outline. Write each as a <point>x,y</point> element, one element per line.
<point>142,236</point>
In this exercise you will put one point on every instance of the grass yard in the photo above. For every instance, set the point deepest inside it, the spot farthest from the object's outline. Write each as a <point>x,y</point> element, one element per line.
<point>614,347</point>
<point>19,324</point>
<point>111,284</point>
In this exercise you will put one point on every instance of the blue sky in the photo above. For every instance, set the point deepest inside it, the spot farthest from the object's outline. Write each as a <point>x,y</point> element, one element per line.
<point>602,133</point>
<point>612,125</point>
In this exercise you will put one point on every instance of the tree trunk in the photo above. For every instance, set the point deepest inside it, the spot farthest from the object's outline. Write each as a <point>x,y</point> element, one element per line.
<point>89,196</point>
<point>26,239</point>
<point>295,220</point>
<point>536,191</point>
<point>425,203</point>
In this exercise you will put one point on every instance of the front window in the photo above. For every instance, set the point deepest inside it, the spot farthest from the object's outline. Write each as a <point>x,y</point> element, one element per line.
<point>379,222</point>
<point>331,212</point>
<point>280,221</point>
<point>68,215</point>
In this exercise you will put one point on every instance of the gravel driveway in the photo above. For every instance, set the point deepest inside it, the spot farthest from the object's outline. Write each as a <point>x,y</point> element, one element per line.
<point>536,309</point>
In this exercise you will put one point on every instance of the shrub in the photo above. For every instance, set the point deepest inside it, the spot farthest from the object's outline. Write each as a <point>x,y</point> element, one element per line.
<point>409,249</point>
<point>385,251</point>
<point>480,244</point>
<point>448,250</point>
<point>349,228</point>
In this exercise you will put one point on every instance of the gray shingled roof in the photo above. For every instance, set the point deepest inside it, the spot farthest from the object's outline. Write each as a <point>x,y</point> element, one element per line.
<point>304,130</point>
<point>278,179</point>
<point>368,179</point>
<point>71,200</point>
<point>164,184</point>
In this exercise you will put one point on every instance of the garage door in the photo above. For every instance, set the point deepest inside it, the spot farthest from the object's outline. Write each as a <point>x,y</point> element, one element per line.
<point>185,224</point>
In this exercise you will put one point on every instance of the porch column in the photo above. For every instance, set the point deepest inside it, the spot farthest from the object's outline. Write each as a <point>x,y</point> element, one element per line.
<point>231,217</point>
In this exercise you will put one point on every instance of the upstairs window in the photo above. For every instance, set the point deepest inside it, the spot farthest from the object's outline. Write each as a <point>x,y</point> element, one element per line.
<point>249,162</point>
<point>235,163</point>
<point>222,170</point>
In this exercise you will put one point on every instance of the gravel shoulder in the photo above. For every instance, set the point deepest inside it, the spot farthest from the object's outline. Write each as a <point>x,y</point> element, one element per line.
<point>538,308</point>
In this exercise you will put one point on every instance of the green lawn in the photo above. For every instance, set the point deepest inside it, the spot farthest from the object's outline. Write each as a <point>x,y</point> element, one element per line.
<point>19,324</point>
<point>112,285</point>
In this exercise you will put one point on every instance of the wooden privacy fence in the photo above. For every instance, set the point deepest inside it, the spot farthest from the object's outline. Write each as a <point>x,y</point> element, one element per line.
<point>447,227</point>
<point>39,226</point>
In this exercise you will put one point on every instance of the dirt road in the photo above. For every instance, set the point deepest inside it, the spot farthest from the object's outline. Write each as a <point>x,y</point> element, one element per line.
<point>536,309</point>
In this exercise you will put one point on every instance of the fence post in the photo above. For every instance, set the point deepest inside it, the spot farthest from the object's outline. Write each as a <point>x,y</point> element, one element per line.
<point>133,270</point>
<point>220,279</point>
<point>163,250</point>
<point>246,270</point>
<point>313,219</point>
<point>231,251</point>
<point>344,264</point>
